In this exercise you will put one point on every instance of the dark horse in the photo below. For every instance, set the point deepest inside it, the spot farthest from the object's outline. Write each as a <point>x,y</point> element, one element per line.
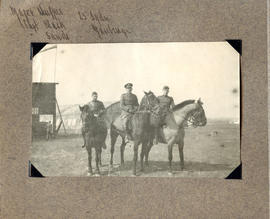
<point>141,129</point>
<point>94,136</point>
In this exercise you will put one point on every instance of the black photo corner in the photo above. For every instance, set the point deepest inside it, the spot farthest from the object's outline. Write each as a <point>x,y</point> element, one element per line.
<point>236,44</point>
<point>33,171</point>
<point>35,48</point>
<point>236,173</point>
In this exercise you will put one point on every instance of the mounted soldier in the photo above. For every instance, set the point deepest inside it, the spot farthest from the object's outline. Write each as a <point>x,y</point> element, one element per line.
<point>129,105</point>
<point>97,107</point>
<point>166,103</point>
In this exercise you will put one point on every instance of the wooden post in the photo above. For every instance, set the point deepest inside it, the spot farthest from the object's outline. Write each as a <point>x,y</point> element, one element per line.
<point>62,121</point>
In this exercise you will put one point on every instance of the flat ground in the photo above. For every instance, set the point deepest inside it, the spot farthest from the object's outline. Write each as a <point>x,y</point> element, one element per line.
<point>210,151</point>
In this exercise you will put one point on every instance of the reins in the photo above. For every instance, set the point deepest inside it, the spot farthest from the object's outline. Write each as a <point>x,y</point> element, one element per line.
<point>150,108</point>
<point>192,119</point>
<point>86,123</point>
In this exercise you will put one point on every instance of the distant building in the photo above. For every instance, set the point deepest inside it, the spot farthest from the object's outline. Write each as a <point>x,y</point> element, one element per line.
<point>43,108</point>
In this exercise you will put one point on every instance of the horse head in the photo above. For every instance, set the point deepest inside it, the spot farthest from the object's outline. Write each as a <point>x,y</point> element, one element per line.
<point>190,111</point>
<point>150,102</point>
<point>198,117</point>
<point>86,115</point>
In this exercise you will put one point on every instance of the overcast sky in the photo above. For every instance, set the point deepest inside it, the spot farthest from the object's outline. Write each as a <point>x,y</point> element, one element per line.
<point>191,70</point>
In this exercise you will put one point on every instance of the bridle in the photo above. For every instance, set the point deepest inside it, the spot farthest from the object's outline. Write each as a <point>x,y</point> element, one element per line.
<point>86,121</point>
<point>150,107</point>
<point>193,119</point>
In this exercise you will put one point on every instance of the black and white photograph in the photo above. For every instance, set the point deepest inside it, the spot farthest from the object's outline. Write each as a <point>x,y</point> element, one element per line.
<point>167,109</point>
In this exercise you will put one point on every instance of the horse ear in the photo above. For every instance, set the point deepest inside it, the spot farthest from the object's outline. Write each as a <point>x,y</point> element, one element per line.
<point>199,101</point>
<point>145,92</point>
<point>81,108</point>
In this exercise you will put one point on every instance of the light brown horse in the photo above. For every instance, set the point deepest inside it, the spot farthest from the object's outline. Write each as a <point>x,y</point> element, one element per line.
<point>188,112</point>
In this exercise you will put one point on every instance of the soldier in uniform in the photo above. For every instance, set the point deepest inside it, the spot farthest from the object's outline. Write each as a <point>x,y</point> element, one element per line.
<point>166,102</point>
<point>129,105</point>
<point>97,107</point>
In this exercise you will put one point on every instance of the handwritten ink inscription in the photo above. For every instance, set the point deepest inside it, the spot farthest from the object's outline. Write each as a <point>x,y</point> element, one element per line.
<point>26,18</point>
<point>101,24</point>
<point>41,17</point>
<point>49,20</point>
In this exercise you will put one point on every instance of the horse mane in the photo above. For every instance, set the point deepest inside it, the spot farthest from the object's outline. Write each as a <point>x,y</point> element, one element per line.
<point>85,107</point>
<point>113,106</point>
<point>183,104</point>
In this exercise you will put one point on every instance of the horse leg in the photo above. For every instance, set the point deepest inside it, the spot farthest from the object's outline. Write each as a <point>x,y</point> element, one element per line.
<point>97,159</point>
<point>123,145</point>
<point>170,156</point>
<point>156,132</point>
<point>181,153</point>
<point>143,153</point>
<point>135,156</point>
<point>113,140</point>
<point>100,164</point>
<point>84,141</point>
<point>90,171</point>
<point>149,146</point>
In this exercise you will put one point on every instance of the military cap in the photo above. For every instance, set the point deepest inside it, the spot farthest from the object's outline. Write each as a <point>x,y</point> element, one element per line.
<point>166,88</point>
<point>94,93</point>
<point>128,85</point>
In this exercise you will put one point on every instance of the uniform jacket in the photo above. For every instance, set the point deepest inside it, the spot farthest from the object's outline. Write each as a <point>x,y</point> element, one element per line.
<point>166,103</point>
<point>128,103</point>
<point>96,106</point>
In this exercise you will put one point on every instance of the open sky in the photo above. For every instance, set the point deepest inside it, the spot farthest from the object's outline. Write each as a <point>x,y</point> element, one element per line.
<point>209,70</point>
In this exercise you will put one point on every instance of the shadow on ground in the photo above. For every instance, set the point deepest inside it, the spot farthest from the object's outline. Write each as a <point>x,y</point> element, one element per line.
<point>162,166</point>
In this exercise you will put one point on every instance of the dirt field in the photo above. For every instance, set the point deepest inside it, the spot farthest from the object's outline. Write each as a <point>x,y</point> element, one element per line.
<point>211,151</point>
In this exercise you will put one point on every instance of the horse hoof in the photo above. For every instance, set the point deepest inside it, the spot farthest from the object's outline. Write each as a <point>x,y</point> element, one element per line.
<point>97,174</point>
<point>133,175</point>
<point>170,173</point>
<point>89,174</point>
